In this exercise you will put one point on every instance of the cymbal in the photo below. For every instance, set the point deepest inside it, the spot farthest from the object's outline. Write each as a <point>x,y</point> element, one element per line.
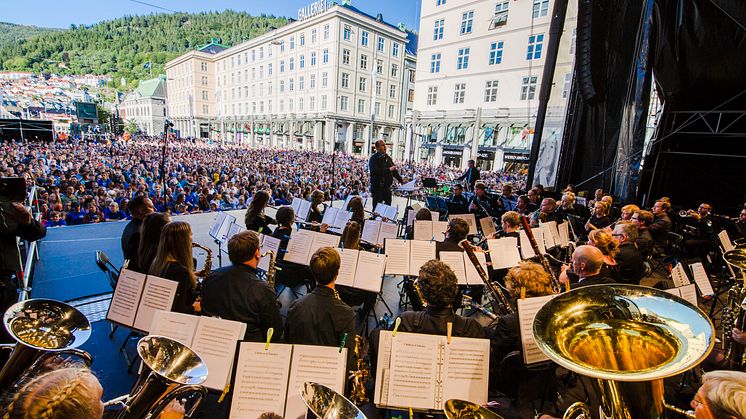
<point>461,409</point>
<point>736,258</point>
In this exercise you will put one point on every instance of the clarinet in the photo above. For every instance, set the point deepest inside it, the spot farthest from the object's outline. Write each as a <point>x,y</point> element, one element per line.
<point>502,301</point>
<point>544,262</point>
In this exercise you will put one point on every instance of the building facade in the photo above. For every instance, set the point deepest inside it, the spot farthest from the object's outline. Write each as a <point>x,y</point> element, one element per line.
<point>333,80</point>
<point>146,106</point>
<point>478,76</point>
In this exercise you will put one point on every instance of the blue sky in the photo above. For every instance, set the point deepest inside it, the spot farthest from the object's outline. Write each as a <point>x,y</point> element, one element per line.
<point>60,14</point>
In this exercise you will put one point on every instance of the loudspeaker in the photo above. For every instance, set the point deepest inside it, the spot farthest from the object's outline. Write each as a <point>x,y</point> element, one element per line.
<point>589,60</point>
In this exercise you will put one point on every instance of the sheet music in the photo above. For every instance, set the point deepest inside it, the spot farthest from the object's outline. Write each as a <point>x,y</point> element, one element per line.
<point>689,293</point>
<point>725,241</point>
<point>268,243</point>
<point>299,246</point>
<point>319,364</point>
<point>423,230</point>
<point>387,231</point>
<point>381,392</point>
<point>414,370</point>
<point>527,309</point>
<point>701,279</point>
<point>219,219</point>
<point>466,375</point>
<point>410,216</point>
<point>303,210</point>
<point>158,294</point>
<point>397,256</point>
<point>370,269</point>
<point>679,276</point>
<point>126,297</point>
<point>177,326</point>
<point>551,234</point>
<point>563,229</point>
<point>470,219</point>
<point>233,229</point>
<point>439,230</point>
<point>329,215</point>
<point>340,221</point>
<point>673,291</point>
<point>527,252</point>
<point>370,231</point>
<point>391,212</point>
<point>261,378</point>
<point>472,276</point>
<point>295,205</point>
<point>455,260</point>
<point>321,240</point>
<point>347,267</point>
<point>420,253</point>
<point>380,208</point>
<point>215,341</point>
<point>539,236</point>
<point>504,252</point>
<point>488,226</point>
<point>409,186</point>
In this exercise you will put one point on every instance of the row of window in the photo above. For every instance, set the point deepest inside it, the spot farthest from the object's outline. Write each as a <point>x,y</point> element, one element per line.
<point>535,47</point>
<point>236,92</point>
<point>299,106</point>
<point>364,41</point>
<point>528,91</point>
<point>500,17</point>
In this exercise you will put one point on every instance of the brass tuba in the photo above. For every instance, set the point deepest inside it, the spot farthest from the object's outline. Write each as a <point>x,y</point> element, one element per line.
<point>627,337</point>
<point>43,329</point>
<point>461,409</point>
<point>171,370</point>
<point>326,403</point>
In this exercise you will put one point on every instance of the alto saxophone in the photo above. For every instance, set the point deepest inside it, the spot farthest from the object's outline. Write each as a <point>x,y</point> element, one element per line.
<point>358,393</point>
<point>272,270</point>
<point>202,274</point>
<point>418,293</point>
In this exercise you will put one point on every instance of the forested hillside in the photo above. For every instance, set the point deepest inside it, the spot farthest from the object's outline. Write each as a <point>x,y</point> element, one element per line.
<point>10,33</point>
<point>122,47</point>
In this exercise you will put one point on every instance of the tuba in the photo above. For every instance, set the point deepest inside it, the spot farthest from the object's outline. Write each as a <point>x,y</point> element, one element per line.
<point>43,328</point>
<point>326,403</point>
<point>171,370</point>
<point>461,409</point>
<point>627,337</point>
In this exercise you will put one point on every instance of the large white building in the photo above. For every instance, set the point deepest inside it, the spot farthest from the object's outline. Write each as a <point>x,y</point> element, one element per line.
<point>314,83</point>
<point>146,106</point>
<point>478,75</point>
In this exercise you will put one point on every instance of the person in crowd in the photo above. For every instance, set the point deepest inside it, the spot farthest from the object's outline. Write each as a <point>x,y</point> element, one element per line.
<point>644,241</point>
<point>587,262</point>
<point>174,261</point>
<point>628,257</point>
<point>75,216</point>
<point>150,237</point>
<point>139,207</point>
<point>661,225</point>
<point>480,205</point>
<point>235,293</point>
<point>458,195</point>
<point>113,213</point>
<point>383,171</point>
<point>600,217</point>
<point>54,220</point>
<point>255,218</point>
<point>93,215</point>
<point>471,175</point>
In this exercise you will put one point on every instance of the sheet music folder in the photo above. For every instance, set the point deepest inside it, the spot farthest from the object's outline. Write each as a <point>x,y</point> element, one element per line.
<point>137,297</point>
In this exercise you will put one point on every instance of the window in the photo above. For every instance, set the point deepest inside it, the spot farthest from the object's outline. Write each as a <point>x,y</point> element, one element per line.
<point>364,38</point>
<point>301,83</point>
<point>392,91</point>
<point>282,46</point>
<point>410,95</point>
<point>363,62</point>
<point>302,61</point>
<point>269,88</point>
<point>440,2</point>
<point>282,86</point>
<point>326,36</point>
<point>438,29</point>
<point>381,44</point>
<point>379,87</point>
<point>346,80</point>
<point>253,57</point>
<point>541,8</point>
<point>566,86</point>
<point>378,108</point>
<point>269,54</point>
<point>312,81</point>
<point>313,36</point>
<point>346,56</point>
<point>291,64</point>
<point>435,63</point>
<point>490,91</point>
<point>362,84</point>
<point>300,105</point>
<point>261,71</point>
<point>323,102</point>
<point>205,109</point>
<point>313,59</point>
<point>391,111</point>
<point>463,59</point>
<point>269,69</point>
<point>496,52</point>
<point>395,49</point>
<point>290,105</point>
<point>347,33</point>
<point>302,39</point>
<point>292,42</point>
<point>394,70</point>
<point>282,66</point>
<point>325,58</point>
<point>324,79</point>
<point>269,102</point>
<point>203,66</point>
<point>466,21</point>
<point>361,106</point>
<point>528,88</point>
<point>459,92</point>
<point>312,103</point>
<point>291,84</point>
<point>261,53</point>
<point>535,45</point>
<point>379,66</point>
<point>343,103</point>
<point>282,105</point>
<point>204,80</point>
<point>204,95</point>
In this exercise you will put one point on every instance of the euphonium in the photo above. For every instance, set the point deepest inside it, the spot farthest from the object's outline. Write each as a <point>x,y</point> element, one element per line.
<point>327,403</point>
<point>734,316</point>
<point>358,393</point>
<point>627,337</point>
<point>43,329</point>
<point>208,261</point>
<point>272,269</point>
<point>171,370</point>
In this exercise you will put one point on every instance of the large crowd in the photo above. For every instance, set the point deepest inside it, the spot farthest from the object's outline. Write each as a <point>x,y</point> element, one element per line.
<point>88,182</point>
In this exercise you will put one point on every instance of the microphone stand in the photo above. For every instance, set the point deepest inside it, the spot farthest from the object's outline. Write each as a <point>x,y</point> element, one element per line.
<point>331,195</point>
<point>163,166</point>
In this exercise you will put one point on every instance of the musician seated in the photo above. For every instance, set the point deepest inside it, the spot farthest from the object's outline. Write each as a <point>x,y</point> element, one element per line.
<point>320,317</point>
<point>423,214</point>
<point>702,237</point>
<point>234,292</point>
<point>604,241</point>
<point>741,223</point>
<point>628,257</point>
<point>597,195</point>
<point>174,261</point>
<point>587,262</point>
<point>507,201</point>
<point>351,296</point>
<point>644,240</point>
<point>356,207</point>
<point>628,211</point>
<point>458,195</point>
<point>150,233</point>
<point>545,213</point>
<point>480,202</point>
<point>722,395</point>
<point>524,206</point>
<point>566,206</point>
<point>255,218</point>
<point>456,231</point>
<point>285,219</point>
<point>317,211</point>
<point>600,217</point>
<point>661,225</point>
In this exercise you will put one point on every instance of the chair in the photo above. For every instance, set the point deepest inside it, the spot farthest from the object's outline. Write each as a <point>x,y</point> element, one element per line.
<point>431,202</point>
<point>108,268</point>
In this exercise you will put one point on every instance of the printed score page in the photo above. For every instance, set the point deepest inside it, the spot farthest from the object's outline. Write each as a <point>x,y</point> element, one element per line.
<point>689,293</point>
<point>268,243</point>
<point>387,231</point>
<point>423,230</point>
<point>472,276</point>
<point>701,279</point>
<point>550,233</point>
<point>330,214</point>
<point>215,341</point>
<point>381,392</point>
<point>347,267</point>
<point>298,247</point>
<point>414,370</point>
<point>126,297</point>
<point>420,253</point>
<point>527,252</point>
<point>439,230</point>
<point>527,309</point>
<point>466,374</point>
<point>214,230</point>
<point>504,252</point>
<point>321,240</point>
<point>320,364</point>
<point>470,219</point>
<point>177,326</point>
<point>370,231</point>
<point>261,380</point>
<point>455,260</point>
<point>564,233</point>
<point>397,257</point>
<point>304,209</point>
<point>340,221</point>
<point>233,229</point>
<point>369,271</point>
<point>157,294</point>
<point>679,276</point>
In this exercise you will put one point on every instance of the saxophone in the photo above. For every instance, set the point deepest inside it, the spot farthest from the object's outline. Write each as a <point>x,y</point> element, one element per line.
<point>418,293</point>
<point>272,270</point>
<point>202,274</point>
<point>359,377</point>
<point>734,316</point>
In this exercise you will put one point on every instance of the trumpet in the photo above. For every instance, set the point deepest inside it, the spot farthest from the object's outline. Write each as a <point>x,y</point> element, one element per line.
<point>687,213</point>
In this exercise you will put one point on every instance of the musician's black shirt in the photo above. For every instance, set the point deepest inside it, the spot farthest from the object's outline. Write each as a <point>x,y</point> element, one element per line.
<point>381,176</point>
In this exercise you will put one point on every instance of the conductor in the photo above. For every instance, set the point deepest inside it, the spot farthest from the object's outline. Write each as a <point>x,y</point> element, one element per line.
<point>382,174</point>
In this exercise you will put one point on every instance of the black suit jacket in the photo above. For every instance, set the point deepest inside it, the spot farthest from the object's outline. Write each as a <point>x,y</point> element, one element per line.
<point>234,293</point>
<point>130,243</point>
<point>447,246</point>
<point>471,175</point>
<point>629,260</point>
<point>659,229</point>
<point>381,176</point>
<point>593,280</point>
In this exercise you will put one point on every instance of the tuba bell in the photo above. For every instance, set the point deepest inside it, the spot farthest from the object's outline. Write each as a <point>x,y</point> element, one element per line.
<point>627,337</point>
<point>461,409</point>
<point>43,329</point>
<point>326,403</point>
<point>171,370</point>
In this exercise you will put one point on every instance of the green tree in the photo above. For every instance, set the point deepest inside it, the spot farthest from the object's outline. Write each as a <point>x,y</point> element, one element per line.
<point>130,127</point>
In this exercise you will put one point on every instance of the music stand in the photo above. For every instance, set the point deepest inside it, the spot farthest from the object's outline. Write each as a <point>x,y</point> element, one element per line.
<point>219,231</point>
<point>429,182</point>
